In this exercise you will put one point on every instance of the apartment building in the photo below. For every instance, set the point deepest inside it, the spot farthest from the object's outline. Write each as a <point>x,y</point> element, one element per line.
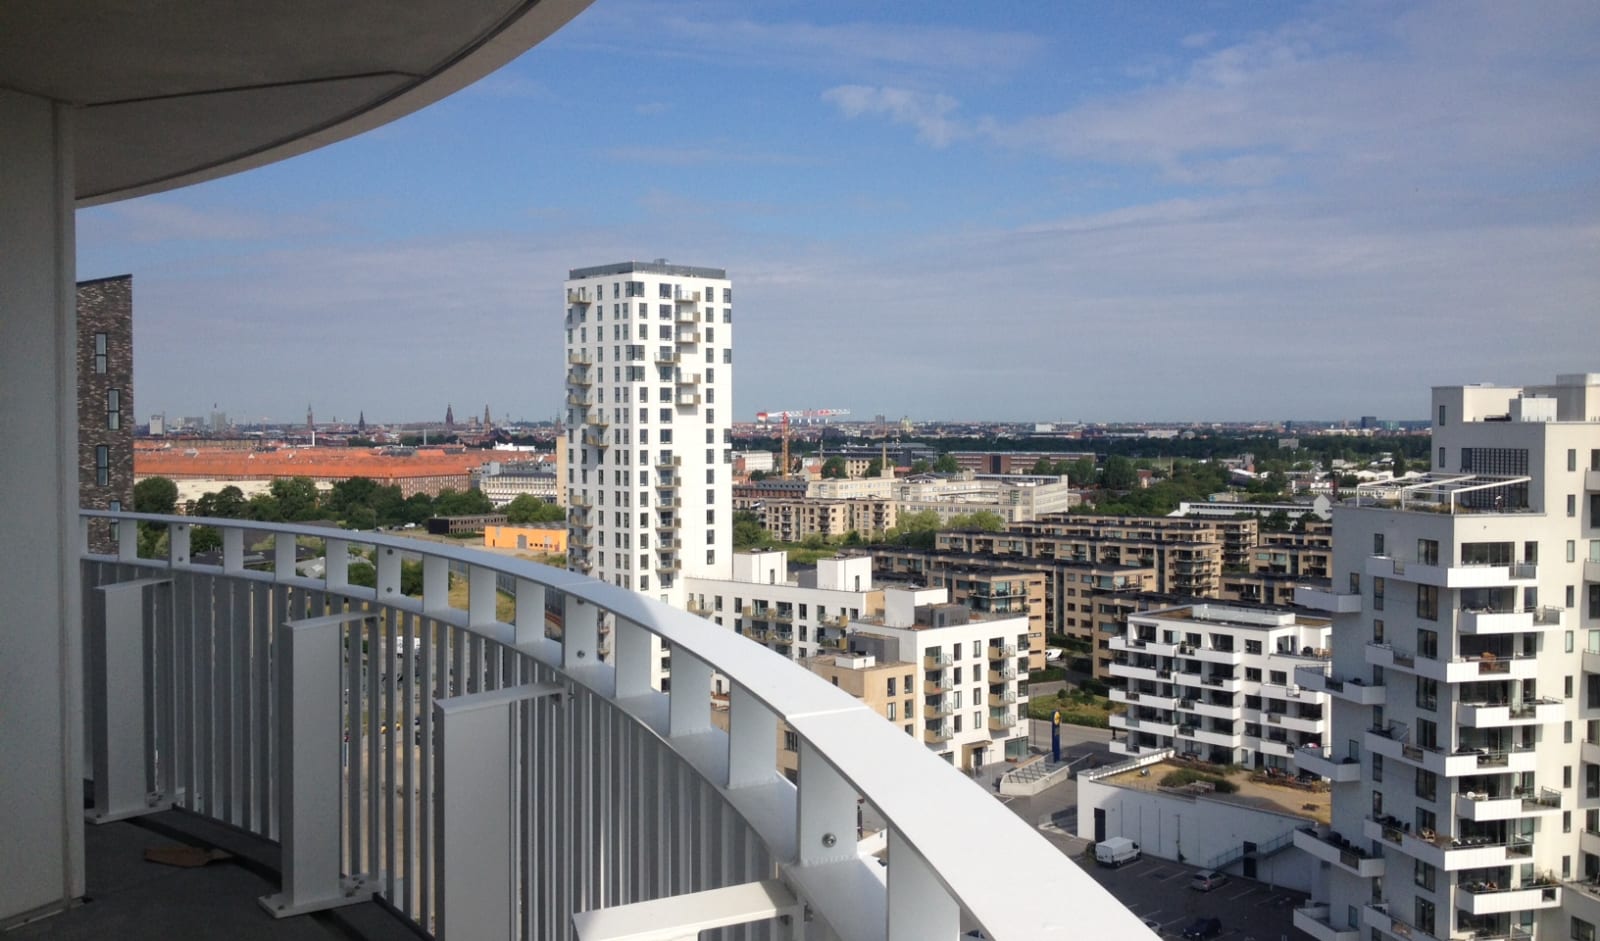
<point>1188,556</point>
<point>1217,681</point>
<point>800,615</point>
<point>503,482</point>
<point>105,401</point>
<point>649,459</point>
<point>968,686</point>
<point>883,686</point>
<point>998,591</point>
<point>1075,592</point>
<point>1465,706</point>
<point>1016,498</point>
<point>799,519</point>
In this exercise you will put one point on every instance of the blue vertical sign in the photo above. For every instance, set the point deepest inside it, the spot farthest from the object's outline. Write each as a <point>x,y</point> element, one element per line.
<point>1055,736</point>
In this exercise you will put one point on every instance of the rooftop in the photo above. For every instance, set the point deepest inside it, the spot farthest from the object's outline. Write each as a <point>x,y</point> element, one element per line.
<point>1281,798</point>
<point>659,266</point>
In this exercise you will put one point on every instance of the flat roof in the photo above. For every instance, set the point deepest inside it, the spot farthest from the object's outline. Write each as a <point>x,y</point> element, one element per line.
<point>647,267</point>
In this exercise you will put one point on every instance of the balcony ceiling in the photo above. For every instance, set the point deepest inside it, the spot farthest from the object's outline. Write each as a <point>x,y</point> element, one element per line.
<point>175,93</point>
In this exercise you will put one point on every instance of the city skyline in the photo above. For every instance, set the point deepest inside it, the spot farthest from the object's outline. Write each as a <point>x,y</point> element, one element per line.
<point>1329,207</point>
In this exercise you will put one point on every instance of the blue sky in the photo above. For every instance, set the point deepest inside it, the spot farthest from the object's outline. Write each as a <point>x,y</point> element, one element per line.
<point>1036,211</point>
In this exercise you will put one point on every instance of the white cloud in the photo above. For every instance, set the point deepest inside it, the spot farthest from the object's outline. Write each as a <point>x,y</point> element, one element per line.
<point>930,114</point>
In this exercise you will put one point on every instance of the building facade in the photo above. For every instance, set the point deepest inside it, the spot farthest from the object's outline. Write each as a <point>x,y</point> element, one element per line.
<point>1217,682</point>
<point>1465,706</point>
<point>105,400</point>
<point>649,410</point>
<point>801,616</point>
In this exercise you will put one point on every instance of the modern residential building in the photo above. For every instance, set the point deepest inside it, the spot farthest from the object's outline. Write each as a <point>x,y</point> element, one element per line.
<point>649,455</point>
<point>1217,681</point>
<point>1014,497</point>
<point>998,591</point>
<point>804,517</point>
<point>503,482</point>
<point>800,615</point>
<point>880,685</point>
<point>968,695</point>
<point>105,400</point>
<point>1465,706</point>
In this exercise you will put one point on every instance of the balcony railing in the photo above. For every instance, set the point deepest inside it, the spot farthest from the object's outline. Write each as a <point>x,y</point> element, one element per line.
<point>518,720</point>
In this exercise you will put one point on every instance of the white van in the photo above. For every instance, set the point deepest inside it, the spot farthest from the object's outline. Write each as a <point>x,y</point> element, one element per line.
<point>1115,851</point>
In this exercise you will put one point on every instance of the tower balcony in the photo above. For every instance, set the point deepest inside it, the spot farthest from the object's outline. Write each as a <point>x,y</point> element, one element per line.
<point>580,300</point>
<point>324,669</point>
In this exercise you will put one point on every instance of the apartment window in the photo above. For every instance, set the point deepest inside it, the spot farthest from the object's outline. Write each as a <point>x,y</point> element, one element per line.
<point>1572,459</point>
<point>1423,875</point>
<point>100,346</point>
<point>890,691</point>
<point>1428,644</point>
<point>1581,930</point>
<point>1427,694</point>
<point>1377,767</point>
<point>1377,543</point>
<point>113,409</point>
<point>1377,630</point>
<point>1424,922</point>
<point>791,741</point>
<point>1428,602</point>
<point>1441,458</point>
<point>1572,556</point>
<point>1427,733</point>
<point>1572,504</point>
<point>1428,551</point>
<point>1355,583</point>
<point>889,712</point>
<point>1427,785</point>
<point>102,465</point>
<point>1379,583</point>
<point>1441,417</point>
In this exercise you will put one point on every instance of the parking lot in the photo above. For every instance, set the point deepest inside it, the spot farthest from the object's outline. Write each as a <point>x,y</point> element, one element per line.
<point>1159,890</point>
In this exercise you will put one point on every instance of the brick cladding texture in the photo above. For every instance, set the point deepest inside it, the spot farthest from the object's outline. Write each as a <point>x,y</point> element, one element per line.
<point>105,307</point>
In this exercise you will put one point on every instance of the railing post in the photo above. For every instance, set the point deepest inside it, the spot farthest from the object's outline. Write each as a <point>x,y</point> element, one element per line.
<point>116,656</point>
<point>752,740</point>
<point>580,634</point>
<point>233,550</point>
<point>388,575</point>
<point>475,767</point>
<point>283,560</point>
<point>827,811</point>
<point>310,664</point>
<point>481,596</point>
<point>178,543</point>
<point>633,659</point>
<point>919,907</point>
<point>530,611</point>
<point>690,700</point>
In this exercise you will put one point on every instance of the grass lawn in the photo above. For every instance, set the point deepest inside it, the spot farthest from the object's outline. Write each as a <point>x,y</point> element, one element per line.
<point>1076,709</point>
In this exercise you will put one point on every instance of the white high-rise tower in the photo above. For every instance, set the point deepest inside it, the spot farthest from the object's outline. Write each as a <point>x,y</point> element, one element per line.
<point>649,413</point>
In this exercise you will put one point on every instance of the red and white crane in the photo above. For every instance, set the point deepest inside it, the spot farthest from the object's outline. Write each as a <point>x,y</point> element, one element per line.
<point>803,415</point>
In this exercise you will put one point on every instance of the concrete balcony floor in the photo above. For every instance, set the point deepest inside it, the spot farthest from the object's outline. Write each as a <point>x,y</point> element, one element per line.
<point>137,900</point>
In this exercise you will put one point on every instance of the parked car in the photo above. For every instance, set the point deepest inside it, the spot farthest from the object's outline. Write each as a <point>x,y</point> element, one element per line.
<point>1203,928</point>
<point>1206,879</point>
<point>1153,925</point>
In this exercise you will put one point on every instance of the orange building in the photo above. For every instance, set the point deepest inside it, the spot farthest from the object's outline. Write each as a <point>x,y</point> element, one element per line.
<point>423,470</point>
<point>532,538</point>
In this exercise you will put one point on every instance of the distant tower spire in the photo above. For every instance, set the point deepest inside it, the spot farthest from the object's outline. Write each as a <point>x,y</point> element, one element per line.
<point>311,421</point>
<point>449,416</point>
<point>361,423</point>
<point>486,420</point>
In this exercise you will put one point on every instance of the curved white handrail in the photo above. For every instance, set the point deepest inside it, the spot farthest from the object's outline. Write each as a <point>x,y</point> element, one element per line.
<point>1007,879</point>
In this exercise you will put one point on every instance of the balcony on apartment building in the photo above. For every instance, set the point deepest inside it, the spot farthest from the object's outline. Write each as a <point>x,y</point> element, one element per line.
<point>1499,663</point>
<point>1320,760</point>
<point>1481,804</point>
<point>1490,845</point>
<point>1336,850</point>
<point>1315,920</point>
<point>1320,679</point>
<point>265,664</point>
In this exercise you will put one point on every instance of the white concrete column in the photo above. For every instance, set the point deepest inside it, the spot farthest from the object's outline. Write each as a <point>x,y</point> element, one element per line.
<point>41,802</point>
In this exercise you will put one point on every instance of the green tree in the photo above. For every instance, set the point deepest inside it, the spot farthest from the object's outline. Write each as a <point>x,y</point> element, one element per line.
<point>748,532</point>
<point>916,529</point>
<point>986,520</point>
<point>265,508</point>
<point>361,516</point>
<point>875,467</point>
<point>461,503</point>
<point>833,468</point>
<point>1042,466</point>
<point>1120,473</point>
<point>1398,464</point>
<point>1082,472</point>
<point>155,495</point>
<point>920,467</point>
<point>228,503</point>
<point>946,464</point>
<point>297,498</point>
<point>527,508</point>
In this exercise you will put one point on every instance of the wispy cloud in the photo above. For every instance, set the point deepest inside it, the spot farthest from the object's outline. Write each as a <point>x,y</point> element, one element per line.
<point>929,113</point>
<point>167,219</point>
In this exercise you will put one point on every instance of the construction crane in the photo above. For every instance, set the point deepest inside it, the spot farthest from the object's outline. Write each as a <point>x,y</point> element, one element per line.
<point>806,415</point>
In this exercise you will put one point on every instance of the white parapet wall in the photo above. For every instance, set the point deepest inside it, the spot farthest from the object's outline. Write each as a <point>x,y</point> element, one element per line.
<point>1196,830</point>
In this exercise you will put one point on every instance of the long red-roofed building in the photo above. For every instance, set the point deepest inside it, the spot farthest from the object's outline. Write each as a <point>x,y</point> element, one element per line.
<point>424,470</point>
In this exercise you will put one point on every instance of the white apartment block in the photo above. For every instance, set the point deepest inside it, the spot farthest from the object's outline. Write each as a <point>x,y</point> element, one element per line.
<point>967,694</point>
<point>800,617</point>
<point>503,482</point>
<point>1217,681</point>
<point>649,409</point>
<point>1466,681</point>
<point>1015,497</point>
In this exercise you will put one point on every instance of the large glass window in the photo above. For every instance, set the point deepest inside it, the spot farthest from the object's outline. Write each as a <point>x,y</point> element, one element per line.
<point>1428,602</point>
